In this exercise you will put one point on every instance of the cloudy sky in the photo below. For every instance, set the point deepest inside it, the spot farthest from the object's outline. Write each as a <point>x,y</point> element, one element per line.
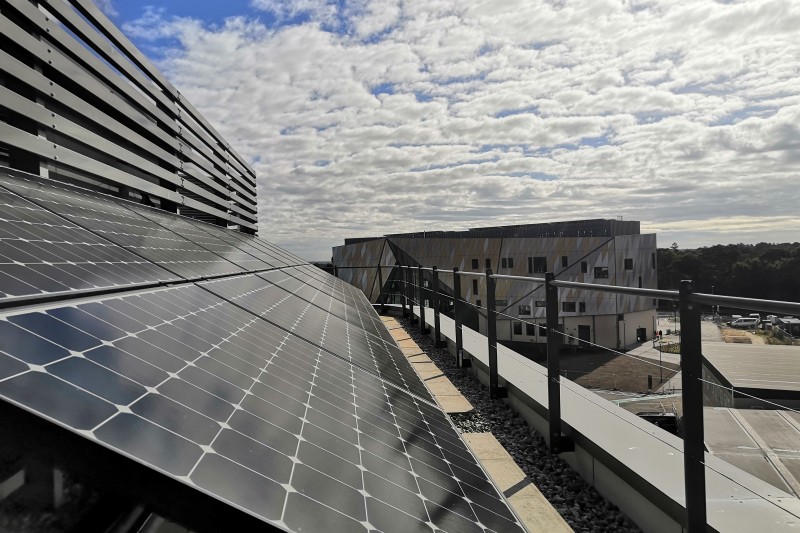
<point>369,117</point>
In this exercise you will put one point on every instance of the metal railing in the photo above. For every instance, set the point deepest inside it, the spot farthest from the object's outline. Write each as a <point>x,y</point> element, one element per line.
<point>417,290</point>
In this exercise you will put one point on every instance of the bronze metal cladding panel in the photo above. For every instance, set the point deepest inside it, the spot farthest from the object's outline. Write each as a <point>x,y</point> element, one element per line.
<point>365,256</point>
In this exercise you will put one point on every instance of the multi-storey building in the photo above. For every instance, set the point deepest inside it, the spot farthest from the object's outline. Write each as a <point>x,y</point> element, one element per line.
<point>609,252</point>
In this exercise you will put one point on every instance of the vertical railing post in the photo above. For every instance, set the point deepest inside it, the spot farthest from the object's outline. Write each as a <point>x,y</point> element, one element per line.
<point>553,365</point>
<point>692,396</point>
<point>495,390</point>
<point>457,318</point>
<point>401,275</point>
<point>381,296</point>
<point>436,303</point>
<point>423,329</point>
<point>411,292</point>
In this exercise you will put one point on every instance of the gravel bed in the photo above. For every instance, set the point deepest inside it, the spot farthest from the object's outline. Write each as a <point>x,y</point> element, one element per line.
<point>582,507</point>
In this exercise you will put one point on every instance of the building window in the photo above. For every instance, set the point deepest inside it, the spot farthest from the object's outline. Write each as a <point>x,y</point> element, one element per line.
<point>488,263</point>
<point>525,310</point>
<point>564,261</point>
<point>530,265</point>
<point>501,303</point>
<point>581,307</point>
<point>539,265</point>
<point>584,267</point>
<point>503,262</point>
<point>475,286</point>
<point>517,328</point>
<point>629,263</point>
<point>474,264</point>
<point>601,272</point>
<point>568,307</point>
<point>478,303</point>
<point>530,329</point>
<point>542,331</point>
<point>510,262</point>
<point>640,282</point>
<point>653,260</point>
<point>540,303</point>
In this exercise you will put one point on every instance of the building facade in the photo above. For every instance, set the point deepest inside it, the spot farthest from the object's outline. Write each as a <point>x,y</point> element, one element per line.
<point>608,252</point>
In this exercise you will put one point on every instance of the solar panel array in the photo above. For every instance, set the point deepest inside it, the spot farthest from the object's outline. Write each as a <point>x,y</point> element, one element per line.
<point>274,389</point>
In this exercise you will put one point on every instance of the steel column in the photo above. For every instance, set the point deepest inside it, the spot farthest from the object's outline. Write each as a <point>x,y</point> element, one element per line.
<point>553,365</point>
<point>404,296</point>
<point>381,297</point>
<point>460,362</point>
<point>692,395</point>
<point>411,292</point>
<point>436,301</point>
<point>495,390</point>
<point>423,329</point>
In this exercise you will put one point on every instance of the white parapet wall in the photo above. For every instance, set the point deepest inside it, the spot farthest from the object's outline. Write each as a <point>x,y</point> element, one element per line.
<point>634,464</point>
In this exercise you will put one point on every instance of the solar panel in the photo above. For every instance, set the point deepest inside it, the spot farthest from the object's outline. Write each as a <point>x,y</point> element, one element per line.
<point>306,320</point>
<point>209,240</point>
<point>110,220</point>
<point>247,243</point>
<point>220,400</point>
<point>287,279</point>
<point>42,253</point>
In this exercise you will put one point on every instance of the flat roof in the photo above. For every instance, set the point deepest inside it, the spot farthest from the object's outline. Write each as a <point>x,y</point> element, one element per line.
<point>764,443</point>
<point>756,366</point>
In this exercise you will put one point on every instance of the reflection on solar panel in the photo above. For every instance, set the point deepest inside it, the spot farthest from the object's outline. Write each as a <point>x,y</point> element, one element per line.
<point>41,252</point>
<point>124,227</point>
<point>277,395</point>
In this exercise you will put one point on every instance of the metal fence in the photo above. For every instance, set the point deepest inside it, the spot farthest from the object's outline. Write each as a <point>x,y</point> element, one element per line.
<point>422,284</point>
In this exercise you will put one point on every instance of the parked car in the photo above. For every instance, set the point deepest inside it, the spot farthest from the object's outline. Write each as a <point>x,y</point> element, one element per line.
<point>745,323</point>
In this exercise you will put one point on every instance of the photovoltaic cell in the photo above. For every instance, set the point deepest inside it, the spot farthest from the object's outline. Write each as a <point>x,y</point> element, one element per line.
<point>248,412</point>
<point>125,228</point>
<point>41,253</point>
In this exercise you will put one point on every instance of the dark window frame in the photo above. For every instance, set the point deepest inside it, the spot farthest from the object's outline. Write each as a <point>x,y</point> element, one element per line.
<point>568,307</point>
<point>601,272</point>
<point>539,265</point>
<point>518,328</point>
<point>475,264</point>
<point>628,263</point>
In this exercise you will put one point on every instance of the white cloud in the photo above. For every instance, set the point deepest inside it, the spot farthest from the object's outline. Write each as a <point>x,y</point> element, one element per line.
<point>107,7</point>
<point>381,116</point>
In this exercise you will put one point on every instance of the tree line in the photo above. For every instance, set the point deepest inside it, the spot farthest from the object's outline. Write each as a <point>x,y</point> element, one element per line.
<point>764,270</point>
